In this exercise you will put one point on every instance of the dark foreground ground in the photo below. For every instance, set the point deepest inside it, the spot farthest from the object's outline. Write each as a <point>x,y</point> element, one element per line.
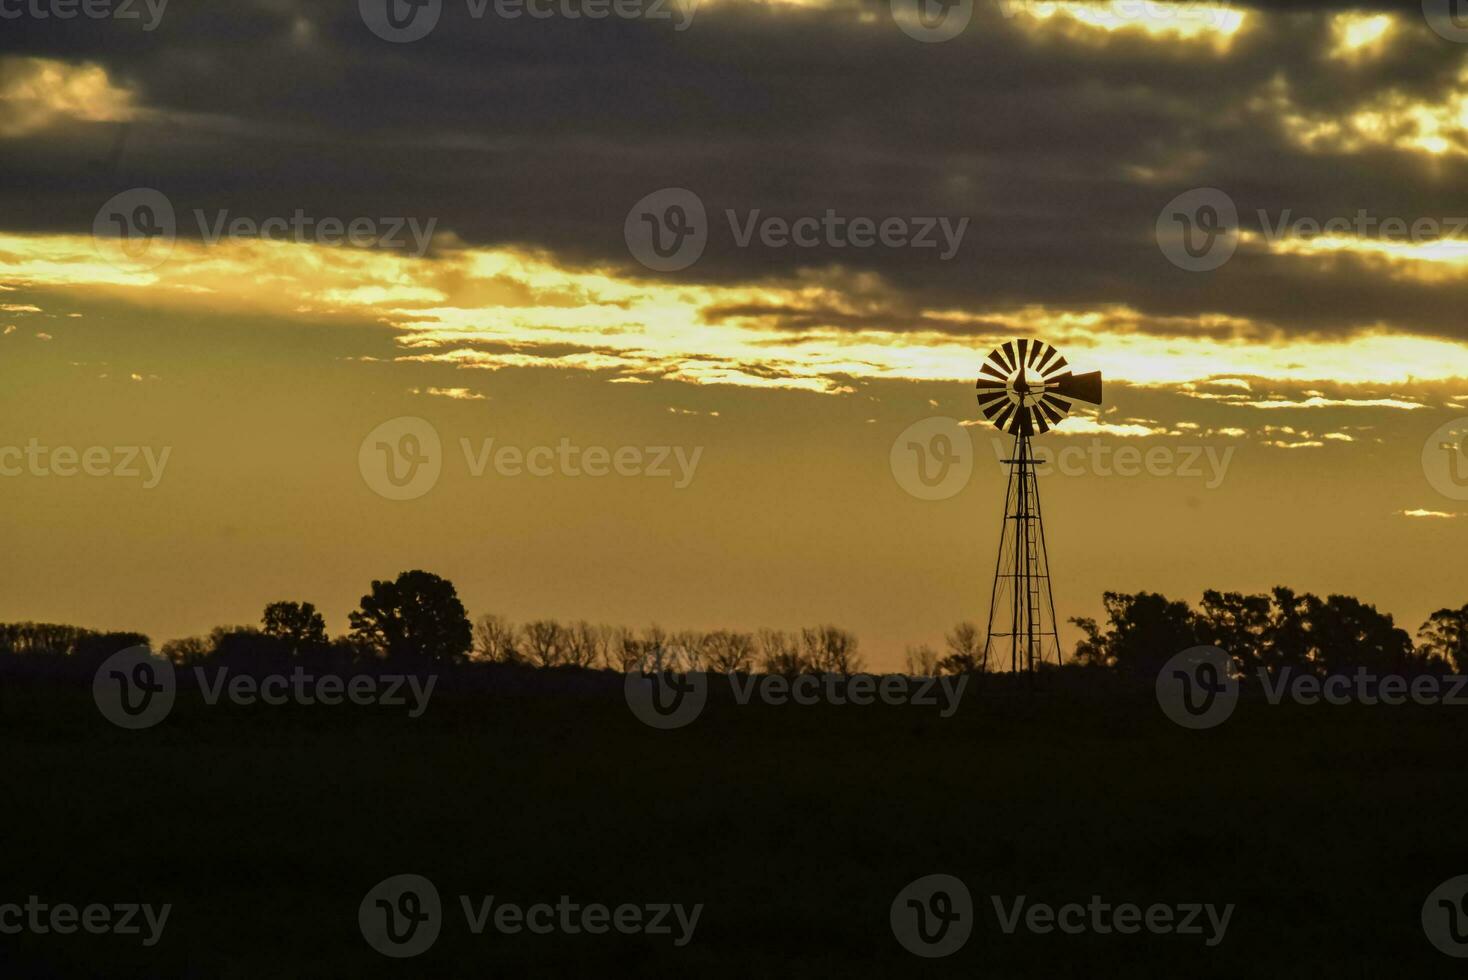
<point>796,827</point>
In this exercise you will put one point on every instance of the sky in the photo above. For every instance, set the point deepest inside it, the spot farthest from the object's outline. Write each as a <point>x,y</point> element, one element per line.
<point>668,312</point>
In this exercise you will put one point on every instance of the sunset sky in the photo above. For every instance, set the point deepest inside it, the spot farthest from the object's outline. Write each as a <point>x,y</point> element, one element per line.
<point>1316,371</point>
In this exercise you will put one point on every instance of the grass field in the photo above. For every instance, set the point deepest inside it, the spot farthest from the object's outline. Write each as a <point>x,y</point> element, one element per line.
<point>794,826</point>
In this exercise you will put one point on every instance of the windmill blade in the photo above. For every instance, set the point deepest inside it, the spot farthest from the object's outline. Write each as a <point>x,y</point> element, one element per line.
<point>991,410</point>
<point>1002,359</point>
<point>1047,365</point>
<point>1024,352</point>
<point>1081,387</point>
<point>1038,350</point>
<point>1003,416</point>
<point>1051,413</point>
<point>988,384</point>
<point>1041,422</point>
<point>1011,352</point>
<point>991,370</point>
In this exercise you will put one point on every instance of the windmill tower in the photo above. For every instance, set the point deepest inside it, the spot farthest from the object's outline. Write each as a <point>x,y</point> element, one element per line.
<point>1025,387</point>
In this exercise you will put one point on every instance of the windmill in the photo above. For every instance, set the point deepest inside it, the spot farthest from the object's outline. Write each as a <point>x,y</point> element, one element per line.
<point>1025,387</point>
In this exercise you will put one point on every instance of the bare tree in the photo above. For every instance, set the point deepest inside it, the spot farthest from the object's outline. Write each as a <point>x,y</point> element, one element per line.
<point>545,643</point>
<point>830,650</point>
<point>967,654</point>
<point>779,653</point>
<point>188,651</point>
<point>623,650</point>
<point>583,644</point>
<point>497,639</point>
<point>922,661</point>
<point>689,641</point>
<point>729,652</point>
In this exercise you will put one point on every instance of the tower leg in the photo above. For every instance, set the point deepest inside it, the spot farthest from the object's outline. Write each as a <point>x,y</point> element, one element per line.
<point>1023,569</point>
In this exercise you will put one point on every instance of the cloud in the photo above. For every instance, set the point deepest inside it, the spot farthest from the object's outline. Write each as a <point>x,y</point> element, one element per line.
<point>457,394</point>
<point>36,93</point>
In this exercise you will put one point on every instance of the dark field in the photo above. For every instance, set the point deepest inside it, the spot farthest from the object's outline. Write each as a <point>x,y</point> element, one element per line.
<point>795,827</point>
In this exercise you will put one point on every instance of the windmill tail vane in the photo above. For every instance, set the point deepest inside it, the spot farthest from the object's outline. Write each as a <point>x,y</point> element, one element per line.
<point>1026,388</point>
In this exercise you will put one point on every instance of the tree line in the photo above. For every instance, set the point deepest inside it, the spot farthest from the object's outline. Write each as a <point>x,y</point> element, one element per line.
<point>418,617</point>
<point>1274,630</point>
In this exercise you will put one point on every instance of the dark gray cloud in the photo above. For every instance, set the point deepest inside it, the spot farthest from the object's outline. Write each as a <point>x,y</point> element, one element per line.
<point>545,132</point>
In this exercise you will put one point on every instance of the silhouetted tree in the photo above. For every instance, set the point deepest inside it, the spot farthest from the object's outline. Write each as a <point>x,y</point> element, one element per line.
<point>497,639</point>
<point>624,650</point>
<point>1236,623</point>
<point>1283,629</point>
<point>966,652</point>
<point>416,615</point>
<point>779,653</point>
<point>829,650</point>
<point>1347,633</point>
<point>189,651</point>
<point>922,661</point>
<point>1287,641</point>
<point>1445,636</point>
<point>583,644</point>
<point>729,652</point>
<point>545,643</point>
<point>297,624</point>
<point>1144,630</point>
